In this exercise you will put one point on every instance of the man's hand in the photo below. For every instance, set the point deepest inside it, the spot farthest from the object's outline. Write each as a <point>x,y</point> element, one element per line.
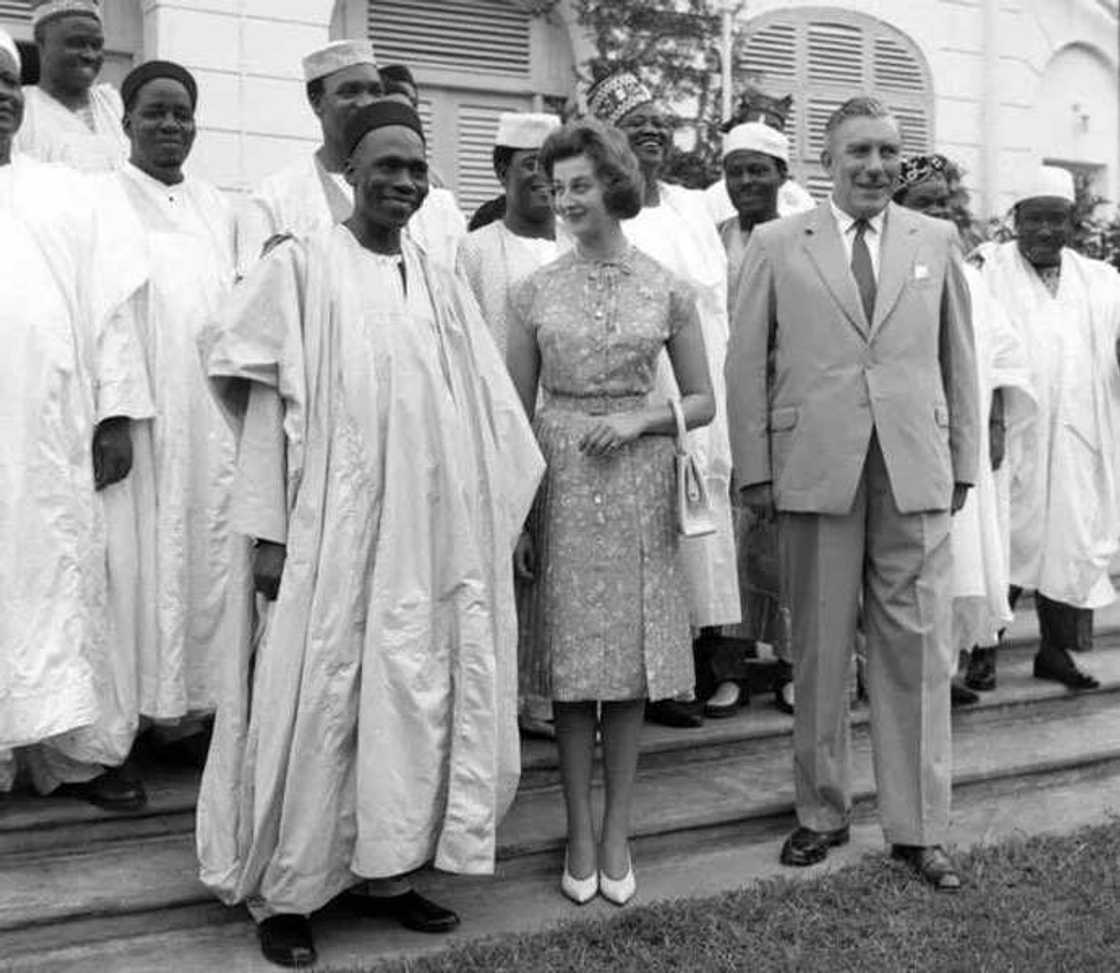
<point>759,499</point>
<point>268,567</point>
<point>960,493</point>
<point>524,559</point>
<point>112,451</point>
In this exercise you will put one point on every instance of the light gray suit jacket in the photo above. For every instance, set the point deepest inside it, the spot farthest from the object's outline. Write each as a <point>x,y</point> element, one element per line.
<point>809,377</point>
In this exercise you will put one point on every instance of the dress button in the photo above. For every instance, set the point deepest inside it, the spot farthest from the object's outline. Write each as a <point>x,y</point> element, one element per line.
<point>598,498</point>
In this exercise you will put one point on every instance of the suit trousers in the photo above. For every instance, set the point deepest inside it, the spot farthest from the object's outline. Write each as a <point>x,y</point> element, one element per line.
<point>900,564</point>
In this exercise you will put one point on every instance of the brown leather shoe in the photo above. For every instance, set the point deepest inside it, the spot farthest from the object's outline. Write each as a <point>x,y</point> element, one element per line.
<point>678,713</point>
<point>932,864</point>
<point>961,695</point>
<point>410,909</point>
<point>981,672</point>
<point>807,847</point>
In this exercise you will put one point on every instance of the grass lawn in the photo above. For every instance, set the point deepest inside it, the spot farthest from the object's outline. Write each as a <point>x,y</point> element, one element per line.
<point>1045,903</point>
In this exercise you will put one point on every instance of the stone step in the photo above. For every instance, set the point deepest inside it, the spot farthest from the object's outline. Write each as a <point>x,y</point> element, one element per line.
<point>29,824</point>
<point>117,889</point>
<point>524,900</point>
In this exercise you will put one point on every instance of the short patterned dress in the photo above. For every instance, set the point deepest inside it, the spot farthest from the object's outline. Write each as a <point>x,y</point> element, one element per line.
<point>606,617</point>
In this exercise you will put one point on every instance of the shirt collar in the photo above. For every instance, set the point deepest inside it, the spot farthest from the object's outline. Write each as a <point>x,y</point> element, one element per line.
<point>845,221</point>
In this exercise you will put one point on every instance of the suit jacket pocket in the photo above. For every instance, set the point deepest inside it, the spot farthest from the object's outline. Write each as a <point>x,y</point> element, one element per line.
<point>941,415</point>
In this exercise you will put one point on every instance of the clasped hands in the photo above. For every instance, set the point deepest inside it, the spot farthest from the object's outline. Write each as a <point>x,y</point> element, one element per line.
<point>610,433</point>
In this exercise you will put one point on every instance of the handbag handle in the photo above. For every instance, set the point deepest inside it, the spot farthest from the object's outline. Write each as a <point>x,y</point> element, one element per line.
<point>682,431</point>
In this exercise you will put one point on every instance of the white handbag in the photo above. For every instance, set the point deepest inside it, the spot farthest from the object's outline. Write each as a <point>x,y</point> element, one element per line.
<point>694,506</point>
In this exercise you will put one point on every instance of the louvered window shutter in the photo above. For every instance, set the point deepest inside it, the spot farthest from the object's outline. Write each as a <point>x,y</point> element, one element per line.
<point>824,57</point>
<point>17,11</point>
<point>488,36</point>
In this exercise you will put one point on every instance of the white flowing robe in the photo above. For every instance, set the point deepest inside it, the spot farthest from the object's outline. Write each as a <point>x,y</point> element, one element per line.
<point>179,577</point>
<point>51,132</point>
<point>980,534</point>
<point>304,197</point>
<point>493,260</point>
<point>70,360</point>
<point>679,234</point>
<point>382,733</point>
<point>1065,514</point>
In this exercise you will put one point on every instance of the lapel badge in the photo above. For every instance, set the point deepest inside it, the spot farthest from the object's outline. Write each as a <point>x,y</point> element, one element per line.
<point>921,272</point>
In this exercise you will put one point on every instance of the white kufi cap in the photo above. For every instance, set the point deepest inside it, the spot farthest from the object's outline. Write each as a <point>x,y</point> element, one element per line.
<point>1052,182</point>
<point>7,43</point>
<point>524,130</point>
<point>50,9</point>
<point>336,56</point>
<point>756,137</point>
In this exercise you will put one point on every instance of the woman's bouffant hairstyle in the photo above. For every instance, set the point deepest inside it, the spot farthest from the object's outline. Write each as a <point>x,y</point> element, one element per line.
<point>609,152</point>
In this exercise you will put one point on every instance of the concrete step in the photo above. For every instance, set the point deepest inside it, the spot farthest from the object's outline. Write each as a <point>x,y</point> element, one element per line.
<point>33,825</point>
<point>119,889</point>
<point>524,900</point>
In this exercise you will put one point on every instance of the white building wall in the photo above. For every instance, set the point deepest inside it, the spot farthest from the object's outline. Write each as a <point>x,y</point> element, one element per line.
<point>253,112</point>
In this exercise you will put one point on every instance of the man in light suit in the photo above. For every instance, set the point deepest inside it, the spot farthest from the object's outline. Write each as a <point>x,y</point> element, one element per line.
<point>863,434</point>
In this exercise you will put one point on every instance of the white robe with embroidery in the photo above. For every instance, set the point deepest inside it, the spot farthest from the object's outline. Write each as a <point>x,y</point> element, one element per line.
<point>70,359</point>
<point>1065,513</point>
<point>377,730</point>
<point>51,132</point>
<point>304,197</point>
<point>492,260</point>
<point>179,578</point>
<point>679,234</point>
<point>981,528</point>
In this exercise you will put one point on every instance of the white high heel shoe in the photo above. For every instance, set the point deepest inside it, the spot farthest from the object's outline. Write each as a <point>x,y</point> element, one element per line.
<point>579,890</point>
<point>621,890</point>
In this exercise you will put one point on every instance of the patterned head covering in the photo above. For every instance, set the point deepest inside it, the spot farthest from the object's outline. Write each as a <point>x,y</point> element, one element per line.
<point>919,168</point>
<point>8,45</point>
<point>616,96</point>
<point>336,56</point>
<point>51,9</point>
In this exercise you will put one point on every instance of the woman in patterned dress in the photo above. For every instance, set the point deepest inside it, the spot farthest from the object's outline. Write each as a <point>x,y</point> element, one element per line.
<point>607,611</point>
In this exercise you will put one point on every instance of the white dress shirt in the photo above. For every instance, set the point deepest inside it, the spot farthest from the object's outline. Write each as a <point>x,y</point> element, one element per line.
<point>873,235</point>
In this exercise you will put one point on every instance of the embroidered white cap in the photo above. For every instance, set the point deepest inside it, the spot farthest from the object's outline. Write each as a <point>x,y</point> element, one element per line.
<point>524,130</point>
<point>49,9</point>
<point>1051,182</point>
<point>756,137</point>
<point>336,56</point>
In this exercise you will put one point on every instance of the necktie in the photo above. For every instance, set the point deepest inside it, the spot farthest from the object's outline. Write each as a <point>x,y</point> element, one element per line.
<point>862,270</point>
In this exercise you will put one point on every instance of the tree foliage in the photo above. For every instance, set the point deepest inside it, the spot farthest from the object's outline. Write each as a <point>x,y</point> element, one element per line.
<point>673,46</point>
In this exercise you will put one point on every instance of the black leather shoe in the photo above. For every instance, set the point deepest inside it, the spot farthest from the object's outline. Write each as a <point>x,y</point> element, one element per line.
<point>981,673</point>
<point>679,713</point>
<point>961,696</point>
<point>114,790</point>
<point>931,863</point>
<point>286,940</point>
<point>807,847</point>
<point>1057,666</point>
<point>411,910</point>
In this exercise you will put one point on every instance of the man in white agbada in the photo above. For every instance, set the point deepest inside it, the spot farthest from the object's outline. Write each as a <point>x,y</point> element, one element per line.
<point>1065,519</point>
<point>313,193</point>
<point>71,374</point>
<point>504,252</point>
<point>69,118</point>
<point>981,528</point>
<point>674,228</point>
<point>390,467</point>
<point>179,578</point>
